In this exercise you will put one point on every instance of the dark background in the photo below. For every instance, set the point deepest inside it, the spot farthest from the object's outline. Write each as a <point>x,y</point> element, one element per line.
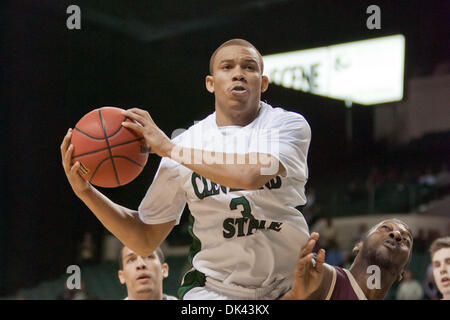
<point>154,55</point>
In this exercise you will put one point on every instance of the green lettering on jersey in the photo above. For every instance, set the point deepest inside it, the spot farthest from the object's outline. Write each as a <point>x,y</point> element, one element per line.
<point>274,183</point>
<point>240,223</point>
<point>275,226</point>
<point>197,181</point>
<point>228,228</point>
<point>255,225</point>
<point>194,178</point>
<point>247,210</point>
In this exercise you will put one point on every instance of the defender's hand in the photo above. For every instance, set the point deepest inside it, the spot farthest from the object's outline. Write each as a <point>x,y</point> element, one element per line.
<point>308,275</point>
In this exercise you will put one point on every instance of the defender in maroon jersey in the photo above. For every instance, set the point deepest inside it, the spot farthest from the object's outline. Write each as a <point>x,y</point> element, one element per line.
<point>384,253</point>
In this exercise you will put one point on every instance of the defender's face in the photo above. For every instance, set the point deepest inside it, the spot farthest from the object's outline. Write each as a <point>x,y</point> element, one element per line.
<point>389,244</point>
<point>141,274</point>
<point>237,78</point>
<point>441,269</point>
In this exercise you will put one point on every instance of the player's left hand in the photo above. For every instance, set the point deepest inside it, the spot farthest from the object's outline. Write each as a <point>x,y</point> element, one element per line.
<point>308,275</point>
<point>155,139</point>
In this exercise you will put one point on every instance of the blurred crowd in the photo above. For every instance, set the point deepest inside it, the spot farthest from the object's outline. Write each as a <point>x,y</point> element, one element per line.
<point>391,189</point>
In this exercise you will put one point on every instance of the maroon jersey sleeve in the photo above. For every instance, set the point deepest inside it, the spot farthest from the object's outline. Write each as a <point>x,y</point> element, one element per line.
<point>343,289</point>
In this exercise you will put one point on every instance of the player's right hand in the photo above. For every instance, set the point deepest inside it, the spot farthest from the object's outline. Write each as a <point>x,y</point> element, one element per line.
<point>308,275</point>
<point>77,182</point>
<point>156,140</point>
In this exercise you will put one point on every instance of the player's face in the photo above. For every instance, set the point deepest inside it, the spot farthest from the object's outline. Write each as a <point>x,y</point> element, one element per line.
<point>388,245</point>
<point>142,275</point>
<point>441,269</point>
<point>237,80</point>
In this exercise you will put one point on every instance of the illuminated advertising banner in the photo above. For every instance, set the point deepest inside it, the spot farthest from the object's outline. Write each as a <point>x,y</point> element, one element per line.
<point>365,72</point>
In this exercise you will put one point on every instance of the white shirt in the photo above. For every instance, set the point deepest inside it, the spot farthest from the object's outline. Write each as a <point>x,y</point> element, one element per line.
<point>249,238</point>
<point>411,290</point>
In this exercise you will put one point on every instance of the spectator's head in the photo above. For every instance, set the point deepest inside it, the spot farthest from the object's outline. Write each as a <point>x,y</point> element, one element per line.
<point>329,222</point>
<point>408,276</point>
<point>87,236</point>
<point>362,228</point>
<point>387,245</point>
<point>421,234</point>
<point>143,276</point>
<point>440,260</point>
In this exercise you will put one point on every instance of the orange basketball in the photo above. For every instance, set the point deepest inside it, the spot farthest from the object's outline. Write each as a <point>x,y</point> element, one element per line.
<point>110,154</point>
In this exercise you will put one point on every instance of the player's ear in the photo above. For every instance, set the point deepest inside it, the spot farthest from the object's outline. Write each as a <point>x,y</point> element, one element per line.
<point>121,278</point>
<point>209,81</point>
<point>264,83</point>
<point>401,276</point>
<point>357,247</point>
<point>165,270</point>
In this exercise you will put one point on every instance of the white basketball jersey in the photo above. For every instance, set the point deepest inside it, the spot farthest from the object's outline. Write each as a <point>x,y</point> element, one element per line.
<point>249,238</point>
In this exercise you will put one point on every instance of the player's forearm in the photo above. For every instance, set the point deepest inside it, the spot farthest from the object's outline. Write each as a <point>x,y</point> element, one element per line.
<point>233,176</point>
<point>120,221</point>
<point>244,171</point>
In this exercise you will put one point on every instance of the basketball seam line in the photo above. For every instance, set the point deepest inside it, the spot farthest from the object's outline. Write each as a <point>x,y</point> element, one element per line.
<point>89,136</point>
<point>109,148</point>
<point>129,159</point>
<point>120,128</point>
<point>98,166</point>
<point>103,149</point>
<point>101,162</point>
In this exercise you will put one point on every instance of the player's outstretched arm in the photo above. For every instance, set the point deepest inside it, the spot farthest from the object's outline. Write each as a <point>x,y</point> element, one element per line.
<point>124,223</point>
<point>234,175</point>
<point>309,281</point>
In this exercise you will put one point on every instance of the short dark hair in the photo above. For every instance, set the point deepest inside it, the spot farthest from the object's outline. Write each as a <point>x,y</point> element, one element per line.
<point>159,254</point>
<point>235,42</point>
<point>439,244</point>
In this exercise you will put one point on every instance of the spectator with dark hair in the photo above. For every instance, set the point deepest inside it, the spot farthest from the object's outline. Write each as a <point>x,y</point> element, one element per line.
<point>75,294</point>
<point>329,243</point>
<point>440,260</point>
<point>143,276</point>
<point>87,250</point>
<point>362,230</point>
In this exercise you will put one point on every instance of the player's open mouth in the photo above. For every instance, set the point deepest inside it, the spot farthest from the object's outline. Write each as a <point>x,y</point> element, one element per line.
<point>445,281</point>
<point>239,90</point>
<point>143,278</point>
<point>390,244</point>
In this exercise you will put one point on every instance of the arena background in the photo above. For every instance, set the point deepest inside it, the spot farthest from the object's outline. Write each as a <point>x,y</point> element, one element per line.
<point>154,55</point>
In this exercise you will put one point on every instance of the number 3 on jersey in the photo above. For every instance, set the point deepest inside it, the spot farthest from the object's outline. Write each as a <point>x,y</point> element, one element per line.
<point>247,210</point>
<point>247,225</point>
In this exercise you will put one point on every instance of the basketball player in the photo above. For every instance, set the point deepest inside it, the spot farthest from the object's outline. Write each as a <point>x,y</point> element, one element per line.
<point>440,260</point>
<point>143,276</point>
<point>244,193</point>
<point>387,247</point>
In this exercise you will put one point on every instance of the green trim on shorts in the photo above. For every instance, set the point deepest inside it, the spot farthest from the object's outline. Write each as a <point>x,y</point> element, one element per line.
<point>192,278</point>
